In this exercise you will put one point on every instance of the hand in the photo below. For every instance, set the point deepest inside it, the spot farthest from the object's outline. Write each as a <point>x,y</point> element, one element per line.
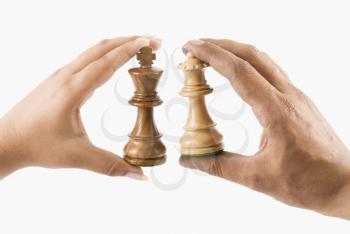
<point>301,160</point>
<point>45,128</point>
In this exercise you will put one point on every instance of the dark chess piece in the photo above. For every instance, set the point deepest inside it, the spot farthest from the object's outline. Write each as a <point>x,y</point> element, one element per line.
<point>145,147</point>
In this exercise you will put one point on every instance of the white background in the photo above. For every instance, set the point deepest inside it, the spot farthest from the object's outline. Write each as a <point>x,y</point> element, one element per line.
<point>309,39</point>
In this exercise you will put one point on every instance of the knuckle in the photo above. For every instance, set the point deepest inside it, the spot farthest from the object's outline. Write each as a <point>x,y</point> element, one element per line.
<point>264,115</point>
<point>126,52</point>
<point>227,42</point>
<point>103,61</point>
<point>228,63</point>
<point>106,63</point>
<point>299,94</point>
<point>104,42</point>
<point>287,105</point>
<point>57,72</point>
<point>212,56</point>
<point>252,51</point>
<point>208,51</point>
<point>114,169</point>
<point>215,168</point>
<point>254,181</point>
<point>241,69</point>
<point>66,89</point>
<point>276,72</point>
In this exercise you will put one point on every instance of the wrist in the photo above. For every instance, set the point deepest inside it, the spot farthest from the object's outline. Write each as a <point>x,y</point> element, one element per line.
<point>340,206</point>
<point>10,157</point>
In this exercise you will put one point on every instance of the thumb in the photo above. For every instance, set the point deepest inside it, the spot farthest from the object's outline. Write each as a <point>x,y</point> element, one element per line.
<point>95,159</point>
<point>230,166</point>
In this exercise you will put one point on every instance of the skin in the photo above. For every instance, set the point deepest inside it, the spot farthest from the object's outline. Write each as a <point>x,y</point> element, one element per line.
<point>45,128</point>
<point>301,161</point>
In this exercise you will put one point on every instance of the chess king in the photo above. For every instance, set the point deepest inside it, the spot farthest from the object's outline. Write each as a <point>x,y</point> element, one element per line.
<point>145,147</point>
<point>201,137</point>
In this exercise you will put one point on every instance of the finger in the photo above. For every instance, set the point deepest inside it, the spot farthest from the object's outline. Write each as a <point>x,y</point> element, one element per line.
<point>247,82</point>
<point>230,166</point>
<point>101,70</point>
<point>258,59</point>
<point>96,52</point>
<point>102,48</point>
<point>89,157</point>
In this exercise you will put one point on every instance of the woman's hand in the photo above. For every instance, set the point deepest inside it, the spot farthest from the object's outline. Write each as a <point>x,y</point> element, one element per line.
<point>45,128</point>
<point>301,160</point>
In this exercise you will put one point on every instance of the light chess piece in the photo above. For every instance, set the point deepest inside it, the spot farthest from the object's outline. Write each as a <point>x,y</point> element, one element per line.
<point>145,147</point>
<point>201,137</point>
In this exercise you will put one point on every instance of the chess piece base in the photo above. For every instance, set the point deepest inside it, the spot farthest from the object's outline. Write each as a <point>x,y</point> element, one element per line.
<point>145,152</point>
<point>202,151</point>
<point>145,162</point>
<point>201,142</point>
<point>202,155</point>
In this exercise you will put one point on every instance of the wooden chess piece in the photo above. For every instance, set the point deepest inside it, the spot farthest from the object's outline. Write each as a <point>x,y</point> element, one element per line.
<point>145,147</point>
<point>201,137</point>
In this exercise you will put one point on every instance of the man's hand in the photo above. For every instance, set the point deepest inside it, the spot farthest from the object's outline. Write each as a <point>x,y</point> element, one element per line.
<point>301,161</point>
<point>45,128</point>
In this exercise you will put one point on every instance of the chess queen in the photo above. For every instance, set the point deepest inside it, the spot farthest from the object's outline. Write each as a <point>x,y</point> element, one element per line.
<point>201,137</point>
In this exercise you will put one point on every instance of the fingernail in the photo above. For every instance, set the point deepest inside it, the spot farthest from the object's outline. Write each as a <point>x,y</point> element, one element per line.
<point>157,39</point>
<point>142,41</point>
<point>182,162</point>
<point>189,55</point>
<point>156,42</point>
<point>152,37</point>
<point>196,42</point>
<point>136,176</point>
<point>149,35</point>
